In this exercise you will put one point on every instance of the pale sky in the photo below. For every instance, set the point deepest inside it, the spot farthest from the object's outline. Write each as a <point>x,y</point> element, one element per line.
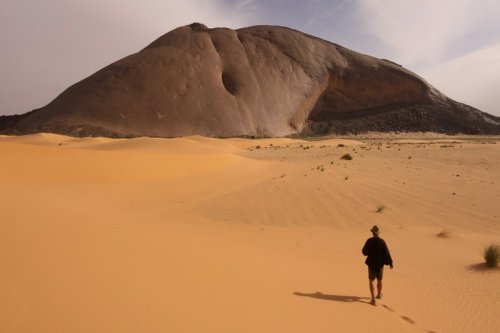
<point>48,45</point>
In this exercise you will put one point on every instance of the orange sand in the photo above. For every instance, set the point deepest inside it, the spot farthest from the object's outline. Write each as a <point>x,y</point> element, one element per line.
<point>208,235</point>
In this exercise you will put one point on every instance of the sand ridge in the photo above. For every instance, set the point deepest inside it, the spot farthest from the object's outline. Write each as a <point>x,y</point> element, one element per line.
<point>198,234</point>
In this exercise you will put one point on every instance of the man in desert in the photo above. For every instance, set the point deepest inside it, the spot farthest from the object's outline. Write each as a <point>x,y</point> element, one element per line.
<point>378,255</point>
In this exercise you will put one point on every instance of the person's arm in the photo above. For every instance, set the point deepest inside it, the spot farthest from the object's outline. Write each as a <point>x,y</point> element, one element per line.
<point>366,248</point>
<point>388,258</point>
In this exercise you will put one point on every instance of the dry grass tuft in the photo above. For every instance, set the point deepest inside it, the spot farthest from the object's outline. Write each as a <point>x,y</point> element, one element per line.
<point>492,255</point>
<point>347,157</point>
<point>444,234</point>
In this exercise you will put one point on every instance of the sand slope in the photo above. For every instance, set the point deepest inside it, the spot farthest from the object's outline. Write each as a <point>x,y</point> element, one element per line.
<point>206,235</point>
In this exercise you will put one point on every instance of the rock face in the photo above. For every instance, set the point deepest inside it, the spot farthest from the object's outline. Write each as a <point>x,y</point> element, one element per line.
<point>256,81</point>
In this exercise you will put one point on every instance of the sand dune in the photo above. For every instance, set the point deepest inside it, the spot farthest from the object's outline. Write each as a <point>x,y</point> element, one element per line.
<point>210,235</point>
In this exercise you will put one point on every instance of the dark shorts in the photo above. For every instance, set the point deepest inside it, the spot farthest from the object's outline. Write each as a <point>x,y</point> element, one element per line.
<point>374,273</point>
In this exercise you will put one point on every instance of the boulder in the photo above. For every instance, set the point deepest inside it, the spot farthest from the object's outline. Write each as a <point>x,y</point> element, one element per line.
<point>257,81</point>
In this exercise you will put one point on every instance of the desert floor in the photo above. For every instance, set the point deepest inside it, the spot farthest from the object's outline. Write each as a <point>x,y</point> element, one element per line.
<point>233,235</point>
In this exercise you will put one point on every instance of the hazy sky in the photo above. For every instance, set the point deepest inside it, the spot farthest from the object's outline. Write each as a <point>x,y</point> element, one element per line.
<point>47,45</point>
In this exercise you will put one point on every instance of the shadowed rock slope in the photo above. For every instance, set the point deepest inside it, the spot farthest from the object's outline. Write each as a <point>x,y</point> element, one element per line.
<point>256,81</point>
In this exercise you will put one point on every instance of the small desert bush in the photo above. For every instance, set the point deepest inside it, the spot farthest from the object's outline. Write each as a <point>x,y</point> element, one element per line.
<point>444,234</point>
<point>347,157</point>
<point>492,255</point>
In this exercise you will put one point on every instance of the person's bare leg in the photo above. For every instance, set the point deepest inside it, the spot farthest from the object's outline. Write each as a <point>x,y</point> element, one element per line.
<point>379,289</point>
<point>372,291</point>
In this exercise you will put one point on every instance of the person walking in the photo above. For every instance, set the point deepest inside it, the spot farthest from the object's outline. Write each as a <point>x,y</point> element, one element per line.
<point>378,255</point>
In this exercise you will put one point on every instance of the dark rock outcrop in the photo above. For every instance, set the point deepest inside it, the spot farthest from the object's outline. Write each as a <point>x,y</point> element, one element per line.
<point>256,81</point>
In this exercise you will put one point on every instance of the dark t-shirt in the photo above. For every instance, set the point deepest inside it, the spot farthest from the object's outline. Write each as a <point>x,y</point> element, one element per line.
<point>377,252</point>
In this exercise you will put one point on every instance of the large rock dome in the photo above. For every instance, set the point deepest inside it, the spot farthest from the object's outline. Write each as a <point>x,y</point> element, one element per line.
<point>256,81</point>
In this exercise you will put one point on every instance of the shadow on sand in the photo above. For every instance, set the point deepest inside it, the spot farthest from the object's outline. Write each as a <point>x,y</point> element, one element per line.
<point>336,298</point>
<point>482,267</point>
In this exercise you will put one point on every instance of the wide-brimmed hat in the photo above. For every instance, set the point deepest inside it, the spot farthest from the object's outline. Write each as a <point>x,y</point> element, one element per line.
<point>375,230</point>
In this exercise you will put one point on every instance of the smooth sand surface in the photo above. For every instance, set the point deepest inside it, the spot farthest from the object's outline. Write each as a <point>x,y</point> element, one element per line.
<point>207,235</point>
